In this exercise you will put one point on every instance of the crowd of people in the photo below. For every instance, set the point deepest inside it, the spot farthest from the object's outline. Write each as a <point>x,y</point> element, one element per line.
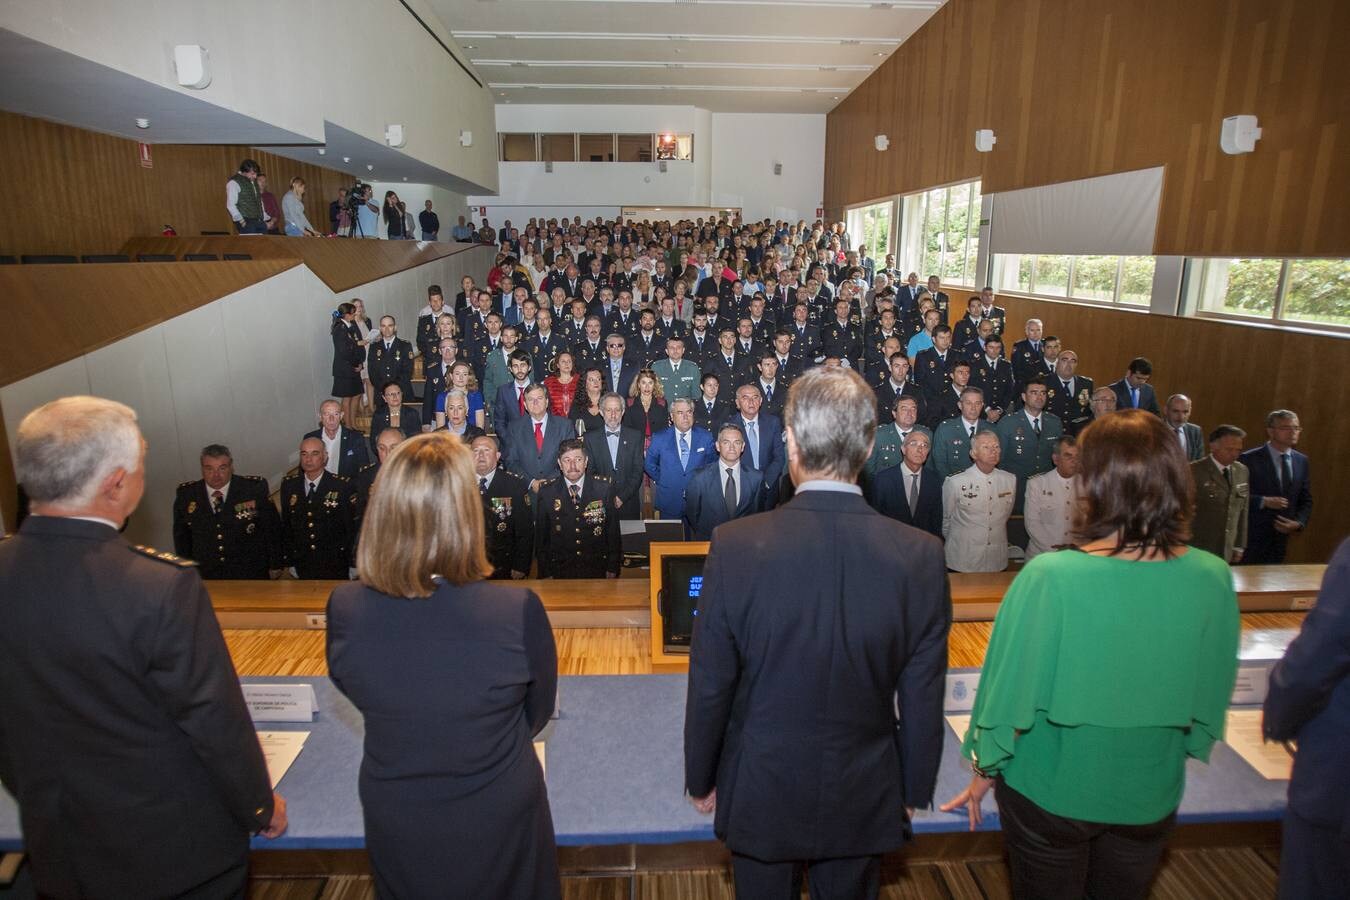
<point>665,369</point>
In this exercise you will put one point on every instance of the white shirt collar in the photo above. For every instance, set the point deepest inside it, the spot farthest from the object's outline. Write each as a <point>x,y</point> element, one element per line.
<point>224,491</point>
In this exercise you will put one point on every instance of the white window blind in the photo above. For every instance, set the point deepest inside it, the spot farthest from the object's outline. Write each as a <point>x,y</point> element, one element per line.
<point>1109,215</point>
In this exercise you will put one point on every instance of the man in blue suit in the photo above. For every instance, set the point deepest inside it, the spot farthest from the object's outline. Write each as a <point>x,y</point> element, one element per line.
<point>1309,701</point>
<point>533,439</point>
<point>1281,492</point>
<point>763,439</point>
<point>674,454</point>
<point>1133,391</point>
<point>723,491</point>
<point>911,492</point>
<point>804,762</point>
<point>510,397</point>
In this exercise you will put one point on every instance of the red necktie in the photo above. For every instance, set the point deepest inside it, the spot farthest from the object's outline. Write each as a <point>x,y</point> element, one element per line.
<point>520,399</point>
<point>538,437</point>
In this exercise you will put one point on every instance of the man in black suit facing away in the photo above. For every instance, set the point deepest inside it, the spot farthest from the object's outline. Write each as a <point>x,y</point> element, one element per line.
<point>123,732</point>
<point>911,492</point>
<point>804,763</point>
<point>615,452</point>
<point>1280,501</point>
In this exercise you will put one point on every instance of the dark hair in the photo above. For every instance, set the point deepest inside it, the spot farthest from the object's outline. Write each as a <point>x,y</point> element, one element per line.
<point>388,384</point>
<point>1141,366</point>
<point>434,289</point>
<point>346,309</point>
<point>1219,433</point>
<point>249,165</point>
<point>519,356</point>
<point>216,451</point>
<point>1135,483</point>
<point>709,375</point>
<point>959,364</point>
<point>571,444</point>
<point>942,329</point>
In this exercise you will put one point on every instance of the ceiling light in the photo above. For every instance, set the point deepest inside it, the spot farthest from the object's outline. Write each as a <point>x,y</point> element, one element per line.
<point>322,151</point>
<point>142,123</point>
<point>470,47</point>
<point>880,53</point>
<point>346,159</point>
<point>370,167</point>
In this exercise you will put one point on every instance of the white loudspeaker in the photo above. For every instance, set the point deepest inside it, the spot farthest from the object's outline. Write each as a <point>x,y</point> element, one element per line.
<point>778,168</point>
<point>1239,135</point>
<point>662,166</point>
<point>394,136</point>
<point>881,142</point>
<point>466,138</point>
<point>192,64</point>
<point>985,140</point>
<point>548,166</point>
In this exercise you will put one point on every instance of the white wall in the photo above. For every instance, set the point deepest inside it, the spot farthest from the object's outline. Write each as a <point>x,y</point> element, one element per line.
<point>446,204</point>
<point>248,370</point>
<point>732,165</point>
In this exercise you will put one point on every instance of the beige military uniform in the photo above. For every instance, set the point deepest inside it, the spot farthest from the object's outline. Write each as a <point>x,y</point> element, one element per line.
<point>1049,511</point>
<point>975,512</point>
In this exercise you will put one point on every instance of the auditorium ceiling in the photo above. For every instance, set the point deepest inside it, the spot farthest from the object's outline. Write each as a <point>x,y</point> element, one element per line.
<point>798,56</point>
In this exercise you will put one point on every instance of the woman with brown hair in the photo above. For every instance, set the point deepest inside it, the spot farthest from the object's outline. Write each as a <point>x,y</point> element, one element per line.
<point>453,676</point>
<point>1109,665</point>
<point>585,413</point>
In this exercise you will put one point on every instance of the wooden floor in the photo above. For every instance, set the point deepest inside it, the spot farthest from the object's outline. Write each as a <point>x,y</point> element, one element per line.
<point>588,651</point>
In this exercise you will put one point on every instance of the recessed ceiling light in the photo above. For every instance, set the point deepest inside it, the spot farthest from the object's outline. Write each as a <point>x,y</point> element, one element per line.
<point>346,159</point>
<point>470,46</point>
<point>880,53</point>
<point>142,123</point>
<point>322,151</point>
<point>836,98</point>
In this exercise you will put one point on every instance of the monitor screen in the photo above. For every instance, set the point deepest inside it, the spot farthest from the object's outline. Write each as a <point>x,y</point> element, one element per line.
<point>681,587</point>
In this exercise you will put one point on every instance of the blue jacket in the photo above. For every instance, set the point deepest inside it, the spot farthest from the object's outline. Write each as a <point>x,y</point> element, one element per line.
<point>662,465</point>
<point>772,450</point>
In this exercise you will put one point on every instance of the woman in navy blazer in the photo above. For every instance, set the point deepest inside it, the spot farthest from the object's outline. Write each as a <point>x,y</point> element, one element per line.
<point>454,677</point>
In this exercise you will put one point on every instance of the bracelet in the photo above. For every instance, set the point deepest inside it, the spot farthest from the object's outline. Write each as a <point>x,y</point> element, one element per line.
<point>975,767</point>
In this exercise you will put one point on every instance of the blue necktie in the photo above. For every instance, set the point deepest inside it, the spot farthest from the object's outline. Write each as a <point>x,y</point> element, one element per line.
<point>752,438</point>
<point>1286,474</point>
<point>684,451</point>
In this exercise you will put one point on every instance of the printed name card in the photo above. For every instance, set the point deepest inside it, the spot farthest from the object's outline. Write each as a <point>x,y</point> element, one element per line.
<point>281,702</point>
<point>1253,679</point>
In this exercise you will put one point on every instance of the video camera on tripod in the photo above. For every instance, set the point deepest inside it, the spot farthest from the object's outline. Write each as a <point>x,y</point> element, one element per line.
<point>356,198</point>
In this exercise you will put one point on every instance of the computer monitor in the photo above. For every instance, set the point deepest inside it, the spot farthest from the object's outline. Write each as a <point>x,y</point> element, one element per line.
<point>681,587</point>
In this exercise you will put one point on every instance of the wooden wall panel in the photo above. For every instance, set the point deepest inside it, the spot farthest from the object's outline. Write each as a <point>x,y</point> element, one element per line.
<point>1233,374</point>
<point>1092,87</point>
<point>77,191</point>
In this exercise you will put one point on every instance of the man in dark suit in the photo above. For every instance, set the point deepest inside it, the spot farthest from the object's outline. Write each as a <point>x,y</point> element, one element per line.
<point>436,377</point>
<point>764,449</point>
<point>385,442</point>
<point>123,733</point>
<point>1281,492</point>
<point>804,762</point>
<point>989,309</point>
<point>1177,413</point>
<point>805,335</point>
<point>426,320</point>
<point>911,492</point>
<point>731,367</point>
<point>1308,701</point>
<point>896,386</point>
<point>225,522</point>
<point>348,450</point>
<point>507,512</point>
<point>318,517</point>
<point>532,441</point>
<point>390,358</point>
<point>508,404</point>
<point>647,346</point>
<point>617,367</point>
<point>1133,391</point>
<point>1028,354</point>
<point>615,452</point>
<point>725,490</point>
<point>576,529</point>
<point>674,454</point>
<point>1069,395</point>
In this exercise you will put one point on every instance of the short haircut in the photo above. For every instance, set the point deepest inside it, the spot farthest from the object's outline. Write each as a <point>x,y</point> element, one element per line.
<point>1135,483</point>
<point>1276,415</point>
<point>961,364</point>
<point>570,444</point>
<point>434,290</point>
<point>1224,431</point>
<point>987,435</point>
<point>66,448</point>
<point>1141,366</point>
<point>971,389</point>
<point>216,451</point>
<point>610,395</point>
<point>535,388</point>
<point>424,519</point>
<point>709,376</point>
<point>832,414</point>
<point>520,356</point>
<point>731,426</point>
<point>681,401</point>
<point>391,319</point>
<point>942,329</point>
<point>1064,440</point>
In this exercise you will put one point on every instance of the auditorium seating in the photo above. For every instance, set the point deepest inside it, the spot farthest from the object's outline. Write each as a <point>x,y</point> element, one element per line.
<point>238,256</point>
<point>105,258</point>
<point>200,257</point>
<point>156,257</point>
<point>32,259</point>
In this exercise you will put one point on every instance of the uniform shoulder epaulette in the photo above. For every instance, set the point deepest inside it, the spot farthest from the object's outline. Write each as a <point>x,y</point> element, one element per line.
<point>604,478</point>
<point>187,484</point>
<point>342,478</point>
<point>163,556</point>
<point>549,481</point>
<point>251,477</point>
<point>369,466</point>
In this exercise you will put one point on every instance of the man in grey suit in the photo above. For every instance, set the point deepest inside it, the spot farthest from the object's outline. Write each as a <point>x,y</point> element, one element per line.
<point>615,452</point>
<point>1221,494</point>
<point>533,439</point>
<point>1177,414</point>
<point>807,763</point>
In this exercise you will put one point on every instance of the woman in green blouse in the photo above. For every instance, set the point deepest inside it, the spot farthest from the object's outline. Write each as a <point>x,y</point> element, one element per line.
<point>1108,666</point>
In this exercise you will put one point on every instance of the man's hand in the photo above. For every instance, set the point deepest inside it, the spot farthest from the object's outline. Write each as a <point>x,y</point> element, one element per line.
<point>970,798</point>
<point>1285,525</point>
<point>1274,502</point>
<point>705,805</point>
<point>617,503</point>
<point>611,574</point>
<point>534,485</point>
<point>516,574</point>
<point>277,826</point>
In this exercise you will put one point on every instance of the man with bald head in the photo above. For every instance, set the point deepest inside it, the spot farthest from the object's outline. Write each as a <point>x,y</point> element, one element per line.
<point>1177,414</point>
<point>385,442</point>
<point>318,517</point>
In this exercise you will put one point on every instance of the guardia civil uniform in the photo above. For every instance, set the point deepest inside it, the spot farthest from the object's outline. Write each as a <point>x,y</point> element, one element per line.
<point>1027,443</point>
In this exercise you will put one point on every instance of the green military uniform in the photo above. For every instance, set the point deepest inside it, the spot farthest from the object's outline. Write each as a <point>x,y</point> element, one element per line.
<point>577,537</point>
<point>888,448</point>
<point>1026,453</point>
<point>318,531</point>
<point>1221,508</point>
<point>951,446</point>
<point>237,537</point>
<point>678,385</point>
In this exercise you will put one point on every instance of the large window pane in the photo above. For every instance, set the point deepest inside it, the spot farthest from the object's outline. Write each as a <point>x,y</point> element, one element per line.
<point>1317,290</point>
<point>935,230</point>
<point>635,148</point>
<point>675,146</point>
<point>558,147</point>
<point>1241,287</point>
<point>1136,280</point>
<point>1094,277</point>
<point>596,147</point>
<point>876,229</point>
<point>518,148</point>
<point>1052,276</point>
<point>1026,265</point>
<point>968,274</point>
<point>954,237</point>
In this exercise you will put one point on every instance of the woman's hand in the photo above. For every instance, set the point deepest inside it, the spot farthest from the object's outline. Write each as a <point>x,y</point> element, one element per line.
<point>970,798</point>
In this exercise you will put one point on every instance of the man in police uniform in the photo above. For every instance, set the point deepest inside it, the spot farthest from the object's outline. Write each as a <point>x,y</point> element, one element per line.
<point>1069,395</point>
<point>507,514</point>
<point>385,442</point>
<point>123,733</point>
<point>318,517</point>
<point>1028,354</point>
<point>226,522</point>
<point>1028,438</point>
<point>842,338</point>
<point>389,358</point>
<point>976,506</point>
<point>991,373</point>
<point>576,528</point>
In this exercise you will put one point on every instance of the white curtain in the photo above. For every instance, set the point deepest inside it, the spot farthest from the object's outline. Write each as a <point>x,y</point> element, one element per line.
<point>1114,215</point>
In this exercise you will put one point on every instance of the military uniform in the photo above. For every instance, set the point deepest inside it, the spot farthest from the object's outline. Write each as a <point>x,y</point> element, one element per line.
<point>436,382</point>
<point>996,381</point>
<point>1074,407</point>
<point>241,539</point>
<point>887,395</point>
<point>805,342</point>
<point>362,483</point>
<point>975,512</point>
<point>509,519</point>
<point>678,384</point>
<point>1048,507</point>
<point>543,353</point>
<point>1027,361</point>
<point>951,446</point>
<point>318,532</point>
<point>933,371</point>
<point>843,342</point>
<point>392,363</point>
<point>1221,508</point>
<point>577,538</point>
<point>1024,452</point>
<point>888,448</point>
<point>588,357</point>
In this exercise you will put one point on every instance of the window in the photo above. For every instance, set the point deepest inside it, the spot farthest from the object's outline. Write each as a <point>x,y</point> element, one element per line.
<point>942,233</point>
<point>635,148</point>
<point>558,147</point>
<point>870,227</point>
<point>1126,280</point>
<point>596,147</point>
<point>1295,291</point>
<point>675,146</point>
<point>518,148</point>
